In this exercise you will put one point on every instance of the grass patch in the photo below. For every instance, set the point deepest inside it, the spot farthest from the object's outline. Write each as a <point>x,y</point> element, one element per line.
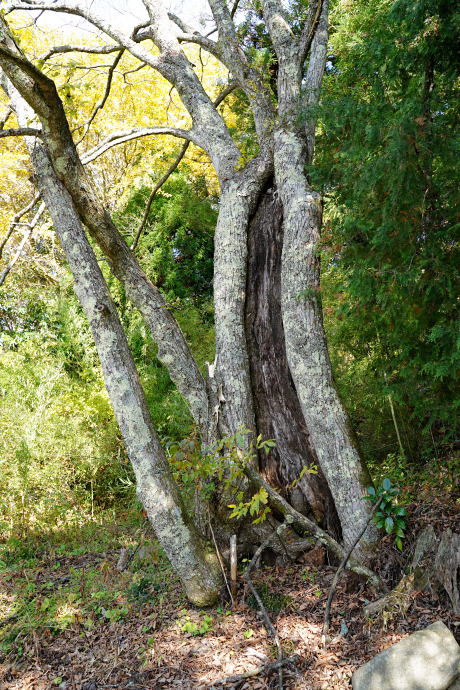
<point>71,581</point>
<point>272,602</point>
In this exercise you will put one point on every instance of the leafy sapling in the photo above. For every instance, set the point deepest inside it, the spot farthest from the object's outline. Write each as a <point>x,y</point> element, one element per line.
<point>390,515</point>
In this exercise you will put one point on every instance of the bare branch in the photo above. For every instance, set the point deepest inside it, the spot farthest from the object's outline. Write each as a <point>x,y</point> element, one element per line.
<point>155,189</point>
<point>96,50</point>
<point>303,524</point>
<point>133,71</point>
<point>122,137</point>
<point>191,35</point>
<point>97,20</point>
<point>104,98</point>
<point>172,64</point>
<point>21,132</point>
<point>341,568</point>
<point>20,214</point>
<point>171,169</point>
<point>6,117</point>
<point>234,8</point>
<point>228,39</point>
<point>31,227</point>
<point>226,92</point>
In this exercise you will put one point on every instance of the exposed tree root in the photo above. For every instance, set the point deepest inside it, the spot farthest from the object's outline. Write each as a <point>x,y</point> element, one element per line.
<point>303,524</point>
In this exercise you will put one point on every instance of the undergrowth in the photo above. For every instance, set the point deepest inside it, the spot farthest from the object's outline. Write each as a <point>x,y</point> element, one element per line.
<point>68,580</point>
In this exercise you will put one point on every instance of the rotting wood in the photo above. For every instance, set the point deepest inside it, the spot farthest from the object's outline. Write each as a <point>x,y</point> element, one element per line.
<point>434,562</point>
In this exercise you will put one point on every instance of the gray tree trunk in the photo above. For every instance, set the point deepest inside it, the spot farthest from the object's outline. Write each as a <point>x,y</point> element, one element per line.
<point>193,559</point>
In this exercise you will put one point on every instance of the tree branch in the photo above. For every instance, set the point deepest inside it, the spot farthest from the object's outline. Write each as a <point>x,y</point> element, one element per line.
<point>5,117</point>
<point>311,23</point>
<point>315,72</point>
<point>303,524</point>
<point>155,189</point>
<point>122,137</point>
<point>341,568</point>
<point>170,170</point>
<point>21,132</point>
<point>172,64</point>
<point>104,98</point>
<point>281,33</point>
<point>247,576</point>
<point>95,50</point>
<point>31,227</point>
<point>20,214</point>
<point>248,78</point>
<point>191,35</point>
<point>259,670</point>
<point>94,19</point>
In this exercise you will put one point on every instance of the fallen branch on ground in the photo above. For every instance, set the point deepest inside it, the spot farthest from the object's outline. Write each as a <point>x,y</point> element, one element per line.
<point>247,576</point>
<point>265,669</point>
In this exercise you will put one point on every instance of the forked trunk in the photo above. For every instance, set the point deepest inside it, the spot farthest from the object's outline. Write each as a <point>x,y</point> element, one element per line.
<point>188,552</point>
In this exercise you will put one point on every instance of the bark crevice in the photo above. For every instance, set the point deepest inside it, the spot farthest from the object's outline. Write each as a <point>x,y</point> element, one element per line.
<point>277,407</point>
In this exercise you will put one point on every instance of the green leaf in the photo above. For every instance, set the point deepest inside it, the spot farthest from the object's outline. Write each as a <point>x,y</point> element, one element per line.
<point>386,484</point>
<point>389,524</point>
<point>399,532</point>
<point>371,490</point>
<point>399,543</point>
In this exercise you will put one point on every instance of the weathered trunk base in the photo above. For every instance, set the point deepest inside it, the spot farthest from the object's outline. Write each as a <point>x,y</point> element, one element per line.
<point>435,563</point>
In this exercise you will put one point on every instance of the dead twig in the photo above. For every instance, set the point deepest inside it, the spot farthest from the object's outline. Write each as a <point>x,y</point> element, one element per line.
<point>341,568</point>
<point>247,576</point>
<point>20,214</point>
<point>265,669</point>
<point>220,560</point>
<point>30,228</point>
<point>171,169</point>
<point>128,560</point>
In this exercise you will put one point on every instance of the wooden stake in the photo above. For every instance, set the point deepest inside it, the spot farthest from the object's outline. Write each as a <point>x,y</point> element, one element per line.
<point>233,560</point>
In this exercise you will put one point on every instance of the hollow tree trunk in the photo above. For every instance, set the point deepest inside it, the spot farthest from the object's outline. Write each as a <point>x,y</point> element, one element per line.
<point>277,408</point>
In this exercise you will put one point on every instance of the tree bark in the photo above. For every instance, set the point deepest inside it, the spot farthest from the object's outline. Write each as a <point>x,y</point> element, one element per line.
<point>277,408</point>
<point>327,422</point>
<point>195,562</point>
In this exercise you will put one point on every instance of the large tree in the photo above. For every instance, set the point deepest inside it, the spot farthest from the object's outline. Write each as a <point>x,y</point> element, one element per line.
<point>272,373</point>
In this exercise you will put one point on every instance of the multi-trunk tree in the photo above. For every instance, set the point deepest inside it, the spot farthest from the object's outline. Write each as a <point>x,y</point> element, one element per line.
<point>272,373</point>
